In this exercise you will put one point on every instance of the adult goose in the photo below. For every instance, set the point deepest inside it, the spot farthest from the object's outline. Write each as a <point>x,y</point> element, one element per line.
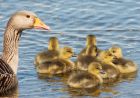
<point>18,22</point>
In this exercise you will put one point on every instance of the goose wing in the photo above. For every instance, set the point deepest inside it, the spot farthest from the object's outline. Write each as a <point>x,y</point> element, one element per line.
<point>8,79</point>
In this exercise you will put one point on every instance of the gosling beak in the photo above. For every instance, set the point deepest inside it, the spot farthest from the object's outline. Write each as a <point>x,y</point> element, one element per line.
<point>38,24</point>
<point>102,71</point>
<point>115,58</point>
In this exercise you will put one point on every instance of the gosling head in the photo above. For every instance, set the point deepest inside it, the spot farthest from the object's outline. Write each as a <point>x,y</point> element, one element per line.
<point>66,52</point>
<point>90,40</point>
<point>116,51</point>
<point>91,50</point>
<point>26,20</point>
<point>105,56</point>
<point>96,69</point>
<point>53,44</point>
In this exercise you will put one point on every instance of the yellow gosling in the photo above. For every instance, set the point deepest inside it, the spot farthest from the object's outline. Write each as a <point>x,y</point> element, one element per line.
<point>59,65</point>
<point>90,41</point>
<point>125,66</point>
<point>66,52</point>
<point>84,60</point>
<point>116,51</point>
<point>105,57</point>
<point>50,54</point>
<point>87,80</point>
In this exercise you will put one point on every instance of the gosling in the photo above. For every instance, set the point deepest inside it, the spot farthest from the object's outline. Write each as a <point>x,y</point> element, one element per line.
<point>84,60</point>
<point>125,66</point>
<point>90,41</point>
<point>60,65</point>
<point>50,54</point>
<point>105,58</point>
<point>87,80</point>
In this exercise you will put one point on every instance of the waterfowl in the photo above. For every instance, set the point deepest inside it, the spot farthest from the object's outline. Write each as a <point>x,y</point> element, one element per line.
<point>18,22</point>
<point>105,58</point>
<point>87,79</point>
<point>51,53</point>
<point>125,66</point>
<point>58,66</point>
<point>90,41</point>
<point>88,57</point>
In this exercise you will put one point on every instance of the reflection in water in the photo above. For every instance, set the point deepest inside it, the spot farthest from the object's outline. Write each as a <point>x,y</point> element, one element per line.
<point>128,77</point>
<point>76,19</point>
<point>107,88</point>
<point>82,92</point>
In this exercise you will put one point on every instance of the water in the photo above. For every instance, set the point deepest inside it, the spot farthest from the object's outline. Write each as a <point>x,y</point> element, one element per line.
<point>112,21</point>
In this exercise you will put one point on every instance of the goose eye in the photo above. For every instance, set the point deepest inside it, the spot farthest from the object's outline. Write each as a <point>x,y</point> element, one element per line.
<point>28,16</point>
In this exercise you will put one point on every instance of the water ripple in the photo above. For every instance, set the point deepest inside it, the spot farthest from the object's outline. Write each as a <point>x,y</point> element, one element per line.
<point>112,21</point>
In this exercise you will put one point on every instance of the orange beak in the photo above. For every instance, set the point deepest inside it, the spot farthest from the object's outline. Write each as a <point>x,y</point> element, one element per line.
<point>38,24</point>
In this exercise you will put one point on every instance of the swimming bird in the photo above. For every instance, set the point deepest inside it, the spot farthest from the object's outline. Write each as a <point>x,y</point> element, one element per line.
<point>60,65</point>
<point>90,41</point>
<point>18,22</point>
<point>125,66</point>
<point>105,58</point>
<point>87,79</point>
<point>51,53</point>
<point>88,57</point>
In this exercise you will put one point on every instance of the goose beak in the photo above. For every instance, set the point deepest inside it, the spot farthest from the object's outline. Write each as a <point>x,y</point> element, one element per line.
<point>38,24</point>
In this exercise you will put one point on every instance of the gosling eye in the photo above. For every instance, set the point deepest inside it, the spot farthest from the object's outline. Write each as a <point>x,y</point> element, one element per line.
<point>27,16</point>
<point>69,51</point>
<point>113,51</point>
<point>97,68</point>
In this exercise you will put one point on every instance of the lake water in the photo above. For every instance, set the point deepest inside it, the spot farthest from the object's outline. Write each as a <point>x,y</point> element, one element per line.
<point>112,21</point>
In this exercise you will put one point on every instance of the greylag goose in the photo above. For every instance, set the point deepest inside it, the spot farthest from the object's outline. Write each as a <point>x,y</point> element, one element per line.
<point>19,21</point>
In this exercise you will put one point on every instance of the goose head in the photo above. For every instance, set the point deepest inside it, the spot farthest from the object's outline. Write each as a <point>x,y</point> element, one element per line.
<point>26,20</point>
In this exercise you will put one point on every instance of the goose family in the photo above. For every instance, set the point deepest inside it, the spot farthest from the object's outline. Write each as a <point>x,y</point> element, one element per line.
<point>18,22</point>
<point>92,67</point>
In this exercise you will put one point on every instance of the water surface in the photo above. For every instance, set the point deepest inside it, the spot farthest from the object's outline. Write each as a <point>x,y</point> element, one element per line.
<point>112,21</point>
